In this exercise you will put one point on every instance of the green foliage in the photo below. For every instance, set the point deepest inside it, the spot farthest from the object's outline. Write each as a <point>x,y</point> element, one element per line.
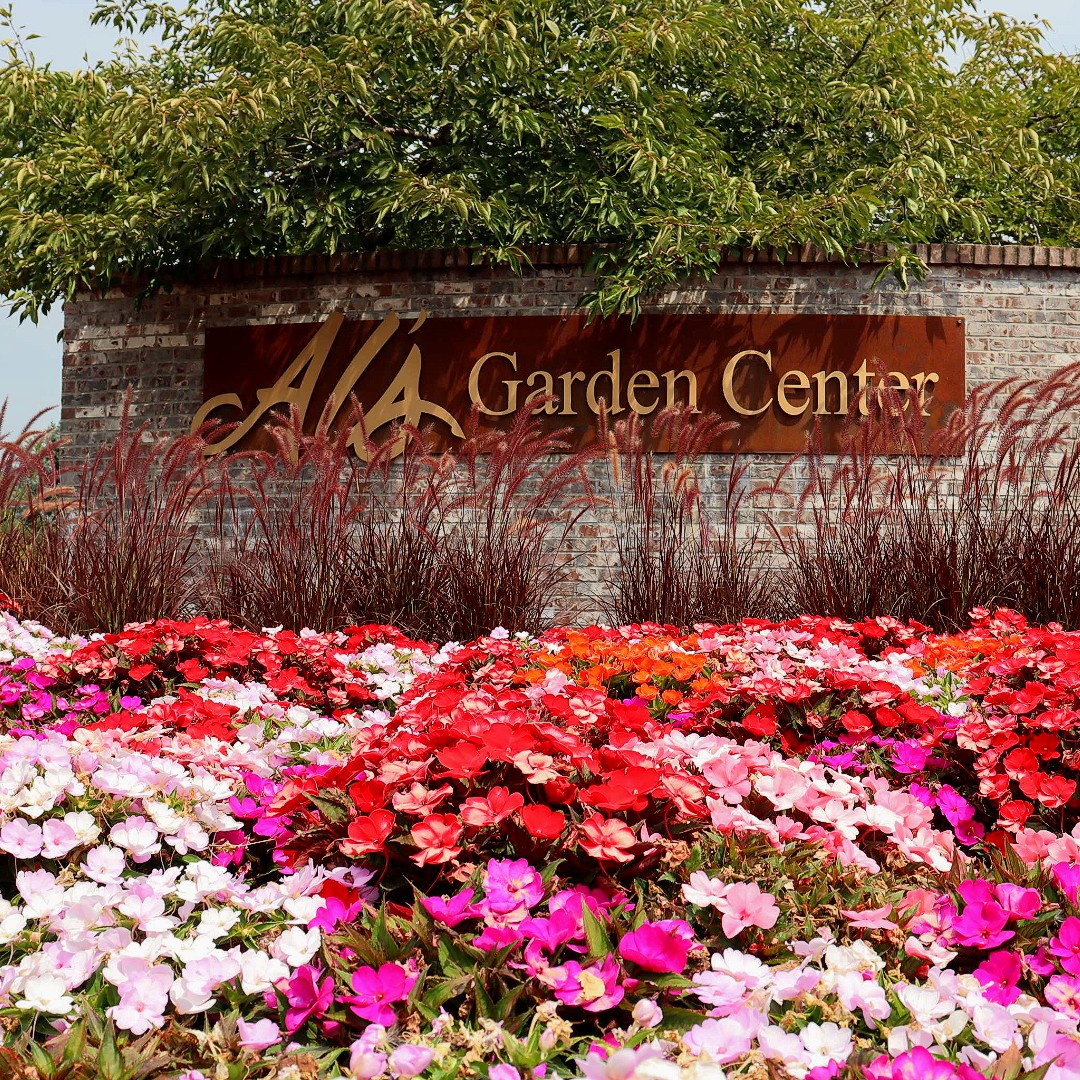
<point>668,129</point>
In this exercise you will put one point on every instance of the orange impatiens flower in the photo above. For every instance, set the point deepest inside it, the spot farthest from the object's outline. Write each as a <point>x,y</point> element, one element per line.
<point>436,837</point>
<point>606,838</point>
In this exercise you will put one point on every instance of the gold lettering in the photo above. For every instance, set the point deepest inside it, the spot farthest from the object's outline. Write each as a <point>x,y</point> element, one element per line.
<point>862,378</point>
<point>367,352</point>
<point>923,384</point>
<point>822,379</point>
<point>797,381</point>
<point>893,381</point>
<point>510,384</point>
<point>401,402</point>
<point>671,377</point>
<point>615,406</point>
<point>728,382</point>
<point>550,407</point>
<point>308,363</point>
<point>568,381</point>
<point>643,380</point>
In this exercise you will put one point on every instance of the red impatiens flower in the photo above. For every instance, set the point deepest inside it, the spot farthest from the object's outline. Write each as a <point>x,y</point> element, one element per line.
<point>543,822</point>
<point>1052,791</point>
<point>437,836</point>
<point>464,760</point>
<point>368,833</point>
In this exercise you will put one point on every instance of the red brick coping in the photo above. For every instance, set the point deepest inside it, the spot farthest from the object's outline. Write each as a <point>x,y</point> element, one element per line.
<point>556,256</point>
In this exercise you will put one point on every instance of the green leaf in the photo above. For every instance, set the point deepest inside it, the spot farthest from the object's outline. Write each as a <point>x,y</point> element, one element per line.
<point>596,936</point>
<point>110,1063</point>
<point>682,1019</point>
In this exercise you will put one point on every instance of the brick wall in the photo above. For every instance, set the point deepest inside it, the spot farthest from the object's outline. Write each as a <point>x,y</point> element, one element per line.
<point>1021,306</point>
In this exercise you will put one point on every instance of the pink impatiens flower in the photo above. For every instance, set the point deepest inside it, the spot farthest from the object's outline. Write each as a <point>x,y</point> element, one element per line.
<point>437,838</point>
<point>607,838</point>
<point>703,890</point>
<point>20,838</point>
<point>870,918</point>
<point>512,886</point>
<point>659,946</point>
<point>1063,994</point>
<point>144,994</point>
<point>377,991</point>
<point>259,1034</point>
<point>743,905</point>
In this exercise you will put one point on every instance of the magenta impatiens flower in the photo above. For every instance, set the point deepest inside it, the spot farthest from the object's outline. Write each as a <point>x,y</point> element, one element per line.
<point>1067,879</point>
<point>377,991</point>
<point>1066,946</point>
<point>512,886</point>
<point>1018,902</point>
<point>659,946</point>
<point>1000,974</point>
<point>449,910</point>
<point>919,1064</point>
<point>982,925</point>
<point>307,996</point>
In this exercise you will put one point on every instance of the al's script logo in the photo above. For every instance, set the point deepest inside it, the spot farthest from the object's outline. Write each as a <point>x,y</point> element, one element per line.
<point>400,402</point>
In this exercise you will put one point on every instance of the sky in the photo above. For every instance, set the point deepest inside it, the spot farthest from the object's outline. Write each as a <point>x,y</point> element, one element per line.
<point>30,355</point>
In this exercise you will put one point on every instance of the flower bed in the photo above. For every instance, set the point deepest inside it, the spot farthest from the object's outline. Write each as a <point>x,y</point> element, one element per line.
<point>810,849</point>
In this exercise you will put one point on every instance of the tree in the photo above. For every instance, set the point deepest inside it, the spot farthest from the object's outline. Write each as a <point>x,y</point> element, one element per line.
<point>662,131</point>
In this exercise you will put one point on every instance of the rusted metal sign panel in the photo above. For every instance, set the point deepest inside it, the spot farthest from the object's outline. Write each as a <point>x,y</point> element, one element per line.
<point>772,374</point>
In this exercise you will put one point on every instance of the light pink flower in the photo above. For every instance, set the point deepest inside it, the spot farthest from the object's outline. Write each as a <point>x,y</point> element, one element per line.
<point>104,864</point>
<point>407,1060</point>
<point>703,890</point>
<point>258,1034</point>
<point>871,918</point>
<point>647,1013</point>
<point>743,905</point>
<point>144,995</point>
<point>138,837</point>
<point>21,838</point>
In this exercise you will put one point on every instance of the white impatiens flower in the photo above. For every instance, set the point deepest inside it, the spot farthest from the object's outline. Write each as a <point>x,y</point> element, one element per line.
<point>12,922</point>
<point>189,837</point>
<point>138,837</point>
<point>826,1043</point>
<point>167,818</point>
<point>216,923</point>
<point>104,864</point>
<point>46,994</point>
<point>925,1003</point>
<point>259,971</point>
<point>84,826</point>
<point>304,908</point>
<point>296,946</point>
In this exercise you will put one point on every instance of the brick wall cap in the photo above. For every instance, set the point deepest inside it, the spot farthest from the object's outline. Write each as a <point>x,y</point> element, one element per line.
<point>573,256</point>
